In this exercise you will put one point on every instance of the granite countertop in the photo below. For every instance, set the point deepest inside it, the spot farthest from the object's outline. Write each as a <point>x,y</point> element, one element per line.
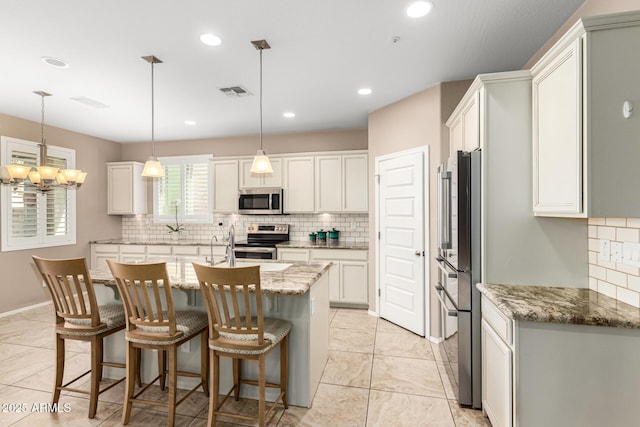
<point>308,245</point>
<point>168,242</point>
<point>294,280</point>
<point>578,306</point>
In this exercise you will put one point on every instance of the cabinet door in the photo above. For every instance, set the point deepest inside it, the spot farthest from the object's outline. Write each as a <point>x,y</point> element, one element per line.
<point>329,183</point>
<point>253,180</point>
<point>334,282</point>
<point>471,124</point>
<point>557,134</point>
<point>497,382</point>
<point>225,186</point>
<point>101,253</point>
<point>299,184</point>
<point>455,136</point>
<point>126,189</point>
<point>133,253</point>
<point>355,185</point>
<point>353,282</point>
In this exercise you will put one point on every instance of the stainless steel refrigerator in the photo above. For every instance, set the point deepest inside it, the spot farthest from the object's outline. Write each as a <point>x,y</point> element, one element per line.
<point>459,212</point>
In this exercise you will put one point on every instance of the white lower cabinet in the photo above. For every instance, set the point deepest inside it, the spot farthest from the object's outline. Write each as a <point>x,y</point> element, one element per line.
<point>497,366</point>
<point>293,254</point>
<point>497,357</point>
<point>100,253</point>
<point>348,280</point>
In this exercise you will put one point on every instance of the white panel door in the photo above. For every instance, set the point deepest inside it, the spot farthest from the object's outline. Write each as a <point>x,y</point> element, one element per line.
<point>401,225</point>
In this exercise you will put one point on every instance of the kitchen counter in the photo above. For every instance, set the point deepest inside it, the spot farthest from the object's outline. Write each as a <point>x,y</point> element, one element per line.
<point>299,294</point>
<point>296,279</point>
<point>309,245</point>
<point>169,242</point>
<point>577,306</point>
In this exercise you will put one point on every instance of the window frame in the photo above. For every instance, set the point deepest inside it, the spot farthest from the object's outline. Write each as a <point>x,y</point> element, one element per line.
<point>182,217</point>
<point>10,243</point>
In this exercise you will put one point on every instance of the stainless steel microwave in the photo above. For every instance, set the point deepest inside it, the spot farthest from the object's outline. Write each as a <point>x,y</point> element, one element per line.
<point>260,201</point>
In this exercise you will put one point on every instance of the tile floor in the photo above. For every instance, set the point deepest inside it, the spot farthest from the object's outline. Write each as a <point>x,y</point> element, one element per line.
<point>377,375</point>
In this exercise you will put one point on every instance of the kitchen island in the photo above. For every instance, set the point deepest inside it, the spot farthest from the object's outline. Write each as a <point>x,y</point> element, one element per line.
<point>294,291</point>
<point>555,356</point>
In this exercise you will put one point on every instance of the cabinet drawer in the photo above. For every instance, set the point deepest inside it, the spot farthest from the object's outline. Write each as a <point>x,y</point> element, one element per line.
<point>293,254</point>
<point>498,321</point>
<point>133,249</point>
<point>185,250</point>
<point>339,254</point>
<point>159,250</point>
<point>106,249</point>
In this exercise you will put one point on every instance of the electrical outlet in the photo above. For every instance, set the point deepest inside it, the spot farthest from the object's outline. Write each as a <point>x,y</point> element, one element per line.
<point>616,251</point>
<point>605,252</point>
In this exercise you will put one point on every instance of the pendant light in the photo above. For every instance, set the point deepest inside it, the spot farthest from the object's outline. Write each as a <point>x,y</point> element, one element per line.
<point>261,163</point>
<point>44,177</point>
<point>152,167</point>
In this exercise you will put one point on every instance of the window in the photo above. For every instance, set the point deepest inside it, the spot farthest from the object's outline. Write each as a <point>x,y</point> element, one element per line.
<point>32,219</point>
<point>184,189</point>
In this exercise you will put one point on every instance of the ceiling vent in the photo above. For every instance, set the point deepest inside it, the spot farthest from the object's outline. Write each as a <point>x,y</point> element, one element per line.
<point>90,102</point>
<point>235,91</point>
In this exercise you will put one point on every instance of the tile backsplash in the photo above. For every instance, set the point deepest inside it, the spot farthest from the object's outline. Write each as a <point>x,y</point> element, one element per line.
<point>615,279</point>
<point>354,228</point>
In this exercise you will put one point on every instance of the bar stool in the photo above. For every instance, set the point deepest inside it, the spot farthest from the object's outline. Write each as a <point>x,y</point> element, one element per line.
<point>153,323</point>
<point>235,333</point>
<point>79,317</point>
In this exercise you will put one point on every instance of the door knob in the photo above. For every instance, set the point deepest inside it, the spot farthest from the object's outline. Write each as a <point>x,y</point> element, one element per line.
<point>417,253</point>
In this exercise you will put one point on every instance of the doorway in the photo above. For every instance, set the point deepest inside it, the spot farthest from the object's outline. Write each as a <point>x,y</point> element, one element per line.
<point>402,245</point>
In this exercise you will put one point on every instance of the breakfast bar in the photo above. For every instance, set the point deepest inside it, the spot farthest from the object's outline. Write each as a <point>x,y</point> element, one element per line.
<point>294,291</point>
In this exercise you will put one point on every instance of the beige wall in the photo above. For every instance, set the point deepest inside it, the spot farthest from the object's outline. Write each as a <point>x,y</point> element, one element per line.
<point>412,122</point>
<point>19,284</point>
<point>588,8</point>
<point>247,145</point>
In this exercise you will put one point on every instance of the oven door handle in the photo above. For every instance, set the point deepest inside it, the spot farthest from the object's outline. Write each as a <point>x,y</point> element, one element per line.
<point>250,249</point>
<point>442,296</point>
<point>442,265</point>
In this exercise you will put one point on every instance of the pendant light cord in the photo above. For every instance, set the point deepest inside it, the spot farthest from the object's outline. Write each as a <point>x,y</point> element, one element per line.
<point>261,99</point>
<point>153,144</point>
<point>42,140</point>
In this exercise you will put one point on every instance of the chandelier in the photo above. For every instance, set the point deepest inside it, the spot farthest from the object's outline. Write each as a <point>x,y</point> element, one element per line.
<point>44,177</point>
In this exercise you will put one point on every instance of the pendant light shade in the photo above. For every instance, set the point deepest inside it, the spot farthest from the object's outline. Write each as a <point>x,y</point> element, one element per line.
<point>261,163</point>
<point>152,167</point>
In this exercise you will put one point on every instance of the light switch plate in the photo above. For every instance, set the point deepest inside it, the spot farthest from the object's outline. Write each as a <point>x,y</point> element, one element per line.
<point>631,254</point>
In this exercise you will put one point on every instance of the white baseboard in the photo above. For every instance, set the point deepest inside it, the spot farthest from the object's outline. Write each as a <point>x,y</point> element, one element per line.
<point>373,313</point>
<point>435,340</point>
<point>27,308</point>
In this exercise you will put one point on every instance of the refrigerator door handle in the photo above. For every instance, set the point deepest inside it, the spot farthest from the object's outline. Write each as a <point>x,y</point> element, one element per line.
<point>442,296</point>
<point>444,209</point>
<point>442,265</point>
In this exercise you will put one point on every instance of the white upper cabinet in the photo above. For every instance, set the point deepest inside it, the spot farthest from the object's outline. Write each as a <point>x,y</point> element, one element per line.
<point>126,189</point>
<point>225,185</point>
<point>299,184</point>
<point>464,124</point>
<point>341,183</point>
<point>585,151</point>
<point>253,180</point>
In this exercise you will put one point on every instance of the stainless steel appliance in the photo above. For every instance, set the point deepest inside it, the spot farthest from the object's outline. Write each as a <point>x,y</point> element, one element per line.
<point>260,201</point>
<point>459,264</point>
<point>262,240</point>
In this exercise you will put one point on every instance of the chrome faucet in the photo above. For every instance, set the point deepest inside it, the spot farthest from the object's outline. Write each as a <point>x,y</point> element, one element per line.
<point>231,246</point>
<point>210,259</point>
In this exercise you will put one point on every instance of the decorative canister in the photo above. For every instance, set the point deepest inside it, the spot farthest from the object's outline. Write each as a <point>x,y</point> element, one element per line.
<point>322,236</point>
<point>334,234</point>
<point>312,237</point>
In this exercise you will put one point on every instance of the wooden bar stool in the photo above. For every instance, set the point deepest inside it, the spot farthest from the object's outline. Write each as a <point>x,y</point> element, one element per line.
<point>153,323</point>
<point>234,332</point>
<point>79,317</point>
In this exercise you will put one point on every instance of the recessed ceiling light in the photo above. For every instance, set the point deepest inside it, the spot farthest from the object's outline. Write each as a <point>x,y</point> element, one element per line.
<point>189,122</point>
<point>419,9</point>
<point>364,91</point>
<point>54,62</point>
<point>211,40</point>
<point>289,115</point>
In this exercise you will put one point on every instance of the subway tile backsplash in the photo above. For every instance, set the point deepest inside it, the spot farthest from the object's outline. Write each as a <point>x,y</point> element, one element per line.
<point>615,279</point>
<point>354,228</point>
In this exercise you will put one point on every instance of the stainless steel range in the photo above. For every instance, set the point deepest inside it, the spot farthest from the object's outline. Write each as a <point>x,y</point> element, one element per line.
<point>262,240</point>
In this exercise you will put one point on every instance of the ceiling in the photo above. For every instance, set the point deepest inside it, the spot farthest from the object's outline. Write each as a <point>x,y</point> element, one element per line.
<point>321,53</point>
